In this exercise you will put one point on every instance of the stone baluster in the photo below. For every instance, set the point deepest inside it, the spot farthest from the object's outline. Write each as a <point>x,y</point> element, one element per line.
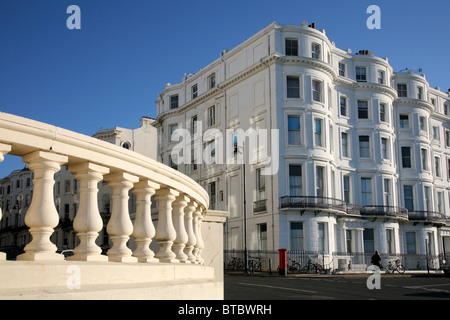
<point>178,221</point>
<point>88,221</point>
<point>4,149</point>
<point>120,226</point>
<point>165,231</point>
<point>198,234</point>
<point>143,230</point>
<point>188,222</point>
<point>42,216</point>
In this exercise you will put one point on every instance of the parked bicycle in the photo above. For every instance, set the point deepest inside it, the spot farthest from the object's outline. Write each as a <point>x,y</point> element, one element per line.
<point>293,266</point>
<point>235,263</point>
<point>312,267</point>
<point>396,266</point>
<point>254,264</point>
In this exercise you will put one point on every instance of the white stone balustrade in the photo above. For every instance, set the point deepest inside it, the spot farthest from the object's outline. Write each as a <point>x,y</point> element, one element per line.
<point>88,222</point>
<point>189,225</point>
<point>181,201</point>
<point>42,216</point>
<point>198,235</point>
<point>182,267</point>
<point>181,239</point>
<point>144,230</point>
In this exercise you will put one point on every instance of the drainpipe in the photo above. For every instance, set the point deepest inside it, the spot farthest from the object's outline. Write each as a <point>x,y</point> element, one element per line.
<point>225,144</point>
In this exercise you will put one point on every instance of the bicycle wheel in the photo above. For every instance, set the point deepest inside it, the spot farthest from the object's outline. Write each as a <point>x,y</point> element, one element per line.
<point>319,268</point>
<point>304,269</point>
<point>401,268</point>
<point>389,269</point>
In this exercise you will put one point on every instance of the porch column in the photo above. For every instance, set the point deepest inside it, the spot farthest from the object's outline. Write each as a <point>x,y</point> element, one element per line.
<point>42,216</point>
<point>88,222</point>
<point>143,230</point>
<point>189,225</point>
<point>178,221</point>
<point>165,231</point>
<point>120,226</point>
<point>4,149</point>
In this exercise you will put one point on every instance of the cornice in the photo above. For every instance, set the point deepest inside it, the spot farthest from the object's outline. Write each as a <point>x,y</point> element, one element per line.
<point>415,102</point>
<point>308,61</point>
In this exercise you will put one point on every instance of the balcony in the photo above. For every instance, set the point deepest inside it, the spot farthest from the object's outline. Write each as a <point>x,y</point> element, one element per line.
<point>384,211</point>
<point>320,203</point>
<point>304,202</point>
<point>428,216</point>
<point>260,206</point>
<point>185,263</point>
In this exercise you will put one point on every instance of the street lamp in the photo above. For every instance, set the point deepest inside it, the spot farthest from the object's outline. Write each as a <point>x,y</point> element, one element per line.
<point>245,208</point>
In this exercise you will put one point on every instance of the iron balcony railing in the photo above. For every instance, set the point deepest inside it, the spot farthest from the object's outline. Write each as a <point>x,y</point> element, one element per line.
<point>428,216</point>
<point>390,211</point>
<point>260,206</point>
<point>304,202</point>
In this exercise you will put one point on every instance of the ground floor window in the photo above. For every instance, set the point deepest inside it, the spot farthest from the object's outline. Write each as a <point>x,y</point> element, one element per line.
<point>323,236</point>
<point>349,240</point>
<point>369,240</point>
<point>297,236</point>
<point>410,242</point>
<point>390,240</point>
<point>262,232</point>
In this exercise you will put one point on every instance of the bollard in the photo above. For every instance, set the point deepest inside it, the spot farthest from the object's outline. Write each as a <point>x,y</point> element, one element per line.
<point>283,262</point>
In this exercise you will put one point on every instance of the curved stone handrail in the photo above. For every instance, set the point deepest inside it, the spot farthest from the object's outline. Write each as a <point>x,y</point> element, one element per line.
<point>26,135</point>
<point>46,147</point>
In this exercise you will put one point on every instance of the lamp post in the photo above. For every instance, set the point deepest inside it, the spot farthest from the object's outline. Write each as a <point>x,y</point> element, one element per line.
<point>245,210</point>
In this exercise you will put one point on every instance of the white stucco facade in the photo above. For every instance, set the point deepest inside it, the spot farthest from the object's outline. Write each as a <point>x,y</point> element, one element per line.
<point>363,151</point>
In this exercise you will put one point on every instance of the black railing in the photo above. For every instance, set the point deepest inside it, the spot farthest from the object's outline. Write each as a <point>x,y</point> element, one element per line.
<point>268,260</point>
<point>428,216</point>
<point>389,211</point>
<point>304,202</point>
<point>260,206</point>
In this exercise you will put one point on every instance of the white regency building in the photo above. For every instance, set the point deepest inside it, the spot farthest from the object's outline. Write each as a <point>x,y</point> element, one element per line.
<point>364,152</point>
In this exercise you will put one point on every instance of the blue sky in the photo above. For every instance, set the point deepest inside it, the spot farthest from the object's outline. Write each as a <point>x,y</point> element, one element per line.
<point>110,72</point>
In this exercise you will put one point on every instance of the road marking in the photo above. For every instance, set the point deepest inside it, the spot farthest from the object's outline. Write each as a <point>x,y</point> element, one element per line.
<point>428,285</point>
<point>273,287</point>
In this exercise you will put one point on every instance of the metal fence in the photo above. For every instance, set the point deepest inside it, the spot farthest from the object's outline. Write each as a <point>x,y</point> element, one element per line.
<point>314,262</point>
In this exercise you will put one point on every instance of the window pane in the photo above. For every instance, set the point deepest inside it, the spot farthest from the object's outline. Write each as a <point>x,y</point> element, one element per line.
<point>364,146</point>
<point>293,130</point>
<point>295,180</point>
<point>369,240</point>
<point>366,191</point>
<point>291,47</point>
<point>296,236</point>
<point>318,132</point>
<point>406,157</point>
<point>410,242</point>
<point>363,109</point>
<point>409,197</point>
<point>293,87</point>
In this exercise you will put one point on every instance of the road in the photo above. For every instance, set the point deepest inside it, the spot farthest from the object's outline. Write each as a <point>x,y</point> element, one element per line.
<point>336,287</point>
